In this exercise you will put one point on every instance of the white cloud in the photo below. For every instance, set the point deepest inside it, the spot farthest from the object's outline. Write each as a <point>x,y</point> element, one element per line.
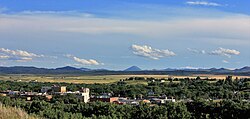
<point>4,57</point>
<point>203,3</point>
<point>189,67</point>
<point>84,61</point>
<point>149,52</point>
<point>232,26</point>
<point>225,52</point>
<point>221,52</point>
<point>24,59</point>
<point>18,55</point>
<point>59,13</point>
<point>225,61</point>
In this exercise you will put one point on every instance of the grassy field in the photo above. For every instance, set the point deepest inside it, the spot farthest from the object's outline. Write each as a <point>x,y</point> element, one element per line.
<point>14,113</point>
<point>98,79</point>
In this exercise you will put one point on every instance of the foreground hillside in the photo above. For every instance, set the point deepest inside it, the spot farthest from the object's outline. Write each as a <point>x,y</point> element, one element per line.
<point>13,113</point>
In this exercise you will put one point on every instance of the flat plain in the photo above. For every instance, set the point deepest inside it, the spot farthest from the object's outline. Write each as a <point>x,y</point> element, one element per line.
<point>90,79</point>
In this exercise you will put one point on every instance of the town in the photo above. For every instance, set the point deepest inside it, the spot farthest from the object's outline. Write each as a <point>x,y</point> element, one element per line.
<point>83,95</point>
<point>180,97</point>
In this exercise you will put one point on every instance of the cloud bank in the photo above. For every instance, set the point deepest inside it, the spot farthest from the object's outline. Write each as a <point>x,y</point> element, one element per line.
<point>149,52</point>
<point>232,26</point>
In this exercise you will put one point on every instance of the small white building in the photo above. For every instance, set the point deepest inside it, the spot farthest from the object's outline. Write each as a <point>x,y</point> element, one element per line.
<point>171,99</point>
<point>84,92</point>
<point>162,81</point>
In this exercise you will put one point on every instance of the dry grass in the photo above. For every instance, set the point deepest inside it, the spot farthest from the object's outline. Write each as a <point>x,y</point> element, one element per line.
<point>100,78</point>
<point>210,76</point>
<point>77,79</point>
<point>14,113</point>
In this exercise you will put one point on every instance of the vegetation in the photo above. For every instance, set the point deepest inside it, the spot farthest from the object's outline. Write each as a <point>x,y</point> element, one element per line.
<point>14,113</point>
<point>199,99</point>
<point>196,110</point>
<point>185,88</point>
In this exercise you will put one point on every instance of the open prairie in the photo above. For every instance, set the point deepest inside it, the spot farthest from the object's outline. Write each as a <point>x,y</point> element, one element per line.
<point>89,79</point>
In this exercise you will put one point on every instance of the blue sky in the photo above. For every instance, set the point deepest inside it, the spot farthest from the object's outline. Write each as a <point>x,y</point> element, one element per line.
<point>116,34</point>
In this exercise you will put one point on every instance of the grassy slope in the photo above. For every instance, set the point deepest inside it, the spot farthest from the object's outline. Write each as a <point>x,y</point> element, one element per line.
<point>13,113</point>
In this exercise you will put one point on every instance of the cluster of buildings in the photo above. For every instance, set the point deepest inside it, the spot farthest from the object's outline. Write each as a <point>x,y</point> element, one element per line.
<point>48,92</point>
<point>83,94</point>
<point>122,100</point>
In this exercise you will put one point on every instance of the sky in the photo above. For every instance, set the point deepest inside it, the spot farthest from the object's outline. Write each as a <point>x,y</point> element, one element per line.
<point>116,34</point>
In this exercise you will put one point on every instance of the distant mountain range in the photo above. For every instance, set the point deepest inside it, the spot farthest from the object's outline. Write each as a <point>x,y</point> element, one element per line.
<point>130,70</point>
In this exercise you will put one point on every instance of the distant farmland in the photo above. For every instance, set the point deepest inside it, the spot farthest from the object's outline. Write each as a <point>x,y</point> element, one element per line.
<point>90,79</point>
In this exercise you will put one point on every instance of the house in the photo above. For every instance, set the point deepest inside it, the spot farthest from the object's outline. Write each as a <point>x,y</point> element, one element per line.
<point>162,100</point>
<point>28,99</point>
<point>104,98</point>
<point>162,81</point>
<point>59,89</point>
<point>48,97</point>
<point>3,94</point>
<point>169,99</point>
<point>84,92</point>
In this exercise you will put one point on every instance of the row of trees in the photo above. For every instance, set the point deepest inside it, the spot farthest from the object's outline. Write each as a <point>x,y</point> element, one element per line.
<point>60,110</point>
<point>185,89</point>
<point>199,109</point>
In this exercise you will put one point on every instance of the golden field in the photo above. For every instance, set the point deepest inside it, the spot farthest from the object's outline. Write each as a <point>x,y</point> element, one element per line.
<point>89,79</point>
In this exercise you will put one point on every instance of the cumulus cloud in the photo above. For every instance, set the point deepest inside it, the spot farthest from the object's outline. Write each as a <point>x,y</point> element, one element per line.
<point>149,52</point>
<point>225,52</point>
<point>221,52</point>
<point>203,3</point>
<point>84,61</point>
<point>18,55</point>
<point>87,62</point>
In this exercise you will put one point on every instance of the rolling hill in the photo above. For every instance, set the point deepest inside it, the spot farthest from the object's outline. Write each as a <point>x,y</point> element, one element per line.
<point>130,70</point>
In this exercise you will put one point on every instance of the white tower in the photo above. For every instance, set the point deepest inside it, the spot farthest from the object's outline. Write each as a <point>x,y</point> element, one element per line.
<point>85,94</point>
